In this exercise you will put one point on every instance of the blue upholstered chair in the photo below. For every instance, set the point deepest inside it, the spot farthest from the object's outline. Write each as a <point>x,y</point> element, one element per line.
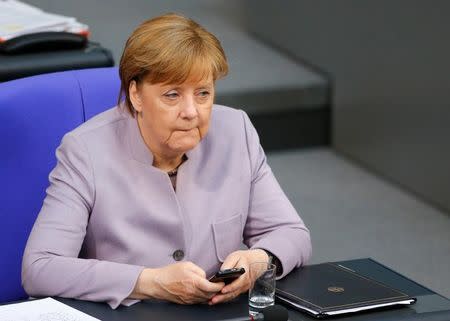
<point>35,113</point>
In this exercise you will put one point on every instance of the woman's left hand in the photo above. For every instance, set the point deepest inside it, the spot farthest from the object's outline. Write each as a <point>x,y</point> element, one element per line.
<point>238,259</point>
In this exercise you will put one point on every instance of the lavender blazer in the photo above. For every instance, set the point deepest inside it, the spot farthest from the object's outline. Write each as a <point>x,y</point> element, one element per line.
<point>109,213</point>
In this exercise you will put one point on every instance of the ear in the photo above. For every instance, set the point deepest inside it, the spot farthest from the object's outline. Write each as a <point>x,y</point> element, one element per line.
<point>135,96</point>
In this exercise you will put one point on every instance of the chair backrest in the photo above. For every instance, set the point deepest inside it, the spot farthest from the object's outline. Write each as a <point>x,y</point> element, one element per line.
<point>35,113</point>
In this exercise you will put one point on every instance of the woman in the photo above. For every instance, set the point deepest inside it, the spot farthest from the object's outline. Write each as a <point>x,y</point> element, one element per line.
<point>150,198</point>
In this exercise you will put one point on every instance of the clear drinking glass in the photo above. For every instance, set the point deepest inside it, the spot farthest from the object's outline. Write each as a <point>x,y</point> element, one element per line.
<point>262,290</point>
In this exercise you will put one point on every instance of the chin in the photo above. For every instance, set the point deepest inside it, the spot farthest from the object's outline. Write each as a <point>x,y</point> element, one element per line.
<point>185,145</point>
<point>184,141</point>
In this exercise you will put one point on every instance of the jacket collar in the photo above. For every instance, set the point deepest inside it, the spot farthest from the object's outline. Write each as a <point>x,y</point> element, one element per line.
<point>139,151</point>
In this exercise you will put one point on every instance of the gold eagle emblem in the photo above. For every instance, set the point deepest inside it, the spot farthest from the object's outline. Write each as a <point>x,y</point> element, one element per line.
<point>336,289</point>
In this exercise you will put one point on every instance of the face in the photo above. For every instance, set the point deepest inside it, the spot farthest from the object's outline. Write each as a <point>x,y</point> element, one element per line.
<point>173,118</point>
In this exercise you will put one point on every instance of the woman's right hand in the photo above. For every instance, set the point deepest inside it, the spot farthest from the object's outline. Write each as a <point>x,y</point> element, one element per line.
<point>182,282</point>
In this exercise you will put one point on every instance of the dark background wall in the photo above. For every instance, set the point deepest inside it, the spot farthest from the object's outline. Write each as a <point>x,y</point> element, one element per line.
<point>390,61</point>
<point>112,30</point>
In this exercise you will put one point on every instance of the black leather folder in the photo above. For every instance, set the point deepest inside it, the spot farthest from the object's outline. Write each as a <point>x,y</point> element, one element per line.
<point>45,52</point>
<point>330,289</point>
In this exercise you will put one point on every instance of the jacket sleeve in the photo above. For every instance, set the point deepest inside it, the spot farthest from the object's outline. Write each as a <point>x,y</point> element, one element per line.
<point>272,223</point>
<point>50,265</point>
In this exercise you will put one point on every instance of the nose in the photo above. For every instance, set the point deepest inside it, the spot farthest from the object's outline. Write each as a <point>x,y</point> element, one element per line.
<point>189,108</point>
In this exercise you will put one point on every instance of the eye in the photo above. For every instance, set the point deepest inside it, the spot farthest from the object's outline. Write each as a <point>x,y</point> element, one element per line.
<point>171,95</point>
<point>204,93</point>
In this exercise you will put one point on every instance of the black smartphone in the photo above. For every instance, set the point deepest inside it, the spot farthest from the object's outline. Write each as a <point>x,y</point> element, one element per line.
<point>227,276</point>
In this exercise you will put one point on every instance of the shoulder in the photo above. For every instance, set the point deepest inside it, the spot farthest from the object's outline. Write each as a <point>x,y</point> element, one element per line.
<point>99,135</point>
<point>227,120</point>
<point>106,120</point>
<point>225,113</point>
<point>231,123</point>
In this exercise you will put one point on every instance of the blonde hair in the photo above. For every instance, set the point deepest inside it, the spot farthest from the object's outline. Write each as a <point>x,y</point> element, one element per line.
<point>169,49</point>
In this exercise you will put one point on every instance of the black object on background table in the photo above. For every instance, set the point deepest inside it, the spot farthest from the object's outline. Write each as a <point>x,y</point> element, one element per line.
<point>45,52</point>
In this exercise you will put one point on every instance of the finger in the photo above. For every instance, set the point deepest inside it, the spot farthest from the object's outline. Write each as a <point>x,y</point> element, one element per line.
<point>206,296</point>
<point>199,296</point>
<point>219,298</point>
<point>231,261</point>
<point>240,284</point>
<point>192,293</point>
<point>210,287</point>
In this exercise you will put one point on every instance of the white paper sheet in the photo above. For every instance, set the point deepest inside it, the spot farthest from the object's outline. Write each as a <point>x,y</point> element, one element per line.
<point>42,310</point>
<point>17,18</point>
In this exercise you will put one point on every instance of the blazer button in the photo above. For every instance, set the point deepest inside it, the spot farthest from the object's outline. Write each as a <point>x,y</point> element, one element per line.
<point>178,255</point>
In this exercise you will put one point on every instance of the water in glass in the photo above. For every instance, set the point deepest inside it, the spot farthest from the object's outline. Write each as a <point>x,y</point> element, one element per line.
<point>259,302</point>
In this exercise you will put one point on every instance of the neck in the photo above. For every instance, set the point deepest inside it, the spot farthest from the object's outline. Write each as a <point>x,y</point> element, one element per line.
<point>167,163</point>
